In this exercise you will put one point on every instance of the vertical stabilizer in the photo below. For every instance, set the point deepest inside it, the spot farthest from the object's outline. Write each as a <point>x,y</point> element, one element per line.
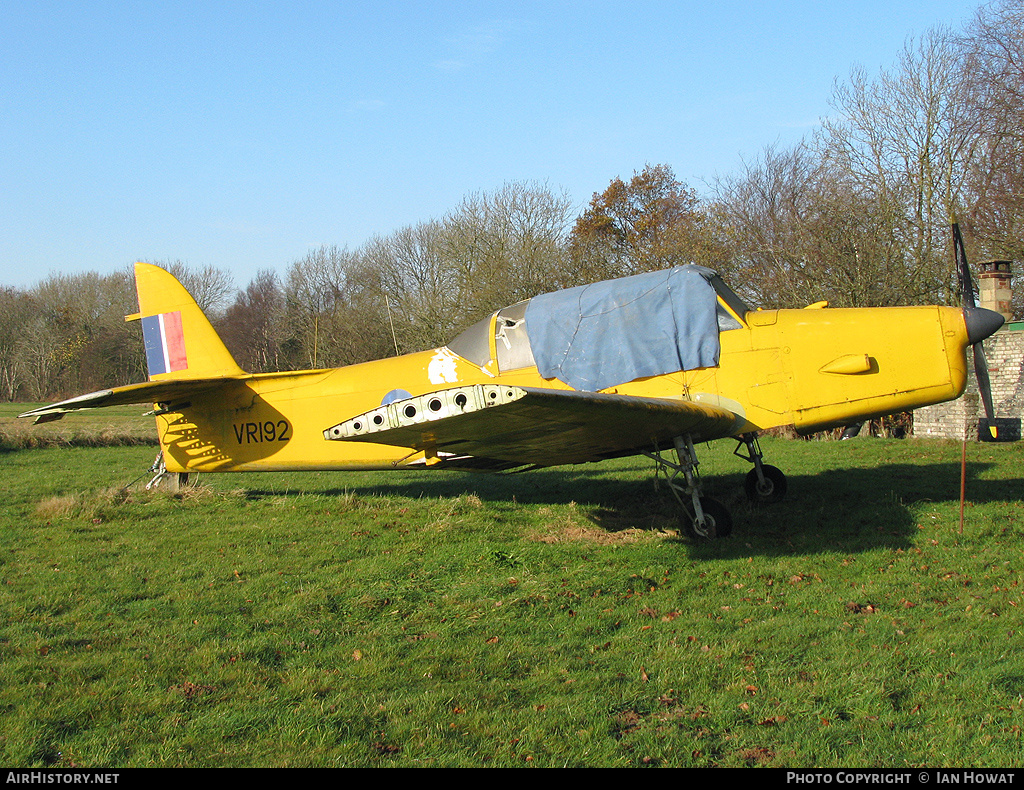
<point>180,341</point>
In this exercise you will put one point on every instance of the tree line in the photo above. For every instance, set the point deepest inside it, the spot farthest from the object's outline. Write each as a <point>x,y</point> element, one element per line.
<point>857,213</point>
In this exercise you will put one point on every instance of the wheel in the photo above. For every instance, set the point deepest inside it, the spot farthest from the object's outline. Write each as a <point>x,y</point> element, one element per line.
<point>717,520</point>
<point>772,490</point>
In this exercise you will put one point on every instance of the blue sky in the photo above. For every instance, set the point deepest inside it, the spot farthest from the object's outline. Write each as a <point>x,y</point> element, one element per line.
<point>241,135</point>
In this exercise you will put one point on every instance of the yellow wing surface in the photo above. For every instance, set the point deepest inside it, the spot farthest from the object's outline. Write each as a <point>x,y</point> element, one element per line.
<point>529,425</point>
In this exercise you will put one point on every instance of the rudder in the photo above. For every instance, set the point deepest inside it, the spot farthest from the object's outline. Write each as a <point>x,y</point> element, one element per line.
<point>181,343</point>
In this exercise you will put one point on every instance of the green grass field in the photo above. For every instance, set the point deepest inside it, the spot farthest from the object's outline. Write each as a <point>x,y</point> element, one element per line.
<point>554,618</point>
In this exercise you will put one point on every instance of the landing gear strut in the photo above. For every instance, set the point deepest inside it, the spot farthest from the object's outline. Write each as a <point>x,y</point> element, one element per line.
<point>168,481</point>
<point>708,517</point>
<point>765,484</point>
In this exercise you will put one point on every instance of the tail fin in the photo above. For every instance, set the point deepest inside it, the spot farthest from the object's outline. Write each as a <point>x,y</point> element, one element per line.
<point>180,341</point>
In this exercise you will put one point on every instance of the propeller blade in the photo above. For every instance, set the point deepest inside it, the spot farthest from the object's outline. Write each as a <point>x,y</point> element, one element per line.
<point>984,383</point>
<point>968,297</point>
<point>980,324</point>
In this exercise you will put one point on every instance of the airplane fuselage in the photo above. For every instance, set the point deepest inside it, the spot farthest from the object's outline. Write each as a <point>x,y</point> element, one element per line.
<point>812,368</point>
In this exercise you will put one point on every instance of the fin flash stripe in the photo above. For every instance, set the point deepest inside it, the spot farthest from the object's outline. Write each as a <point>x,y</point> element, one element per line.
<point>165,343</point>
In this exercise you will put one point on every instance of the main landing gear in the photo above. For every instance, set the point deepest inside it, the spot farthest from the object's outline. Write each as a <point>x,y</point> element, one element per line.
<point>708,517</point>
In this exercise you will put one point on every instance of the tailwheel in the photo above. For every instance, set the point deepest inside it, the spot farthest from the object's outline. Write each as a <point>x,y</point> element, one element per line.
<point>767,488</point>
<point>712,521</point>
<point>168,481</point>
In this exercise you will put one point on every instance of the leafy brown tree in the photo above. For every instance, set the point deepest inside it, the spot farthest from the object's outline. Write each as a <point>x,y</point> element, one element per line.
<point>654,221</point>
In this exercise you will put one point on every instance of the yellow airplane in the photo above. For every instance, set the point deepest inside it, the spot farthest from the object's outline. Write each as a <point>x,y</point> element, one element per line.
<point>644,365</point>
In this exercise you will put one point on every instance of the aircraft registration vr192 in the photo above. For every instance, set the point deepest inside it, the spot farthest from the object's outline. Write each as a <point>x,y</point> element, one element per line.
<point>641,365</point>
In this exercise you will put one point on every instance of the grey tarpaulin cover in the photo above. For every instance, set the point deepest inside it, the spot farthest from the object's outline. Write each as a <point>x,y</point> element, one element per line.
<point>608,333</point>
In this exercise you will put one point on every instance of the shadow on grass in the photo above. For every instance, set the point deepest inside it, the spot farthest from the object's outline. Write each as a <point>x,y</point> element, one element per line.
<point>853,509</point>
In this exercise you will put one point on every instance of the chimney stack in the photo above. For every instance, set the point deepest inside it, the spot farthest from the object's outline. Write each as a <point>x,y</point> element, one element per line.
<point>994,288</point>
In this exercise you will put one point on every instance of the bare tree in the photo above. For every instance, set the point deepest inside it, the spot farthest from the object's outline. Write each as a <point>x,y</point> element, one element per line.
<point>908,139</point>
<point>212,288</point>
<point>507,245</point>
<point>17,310</point>
<point>254,324</point>
<point>420,288</point>
<point>802,232</point>
<point>490,251</point>
<point>333,313</point>
<point>79,338</point>
<point>993,46</point>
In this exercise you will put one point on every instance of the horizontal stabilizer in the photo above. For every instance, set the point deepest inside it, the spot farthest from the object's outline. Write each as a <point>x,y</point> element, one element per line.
<point>174,391</point>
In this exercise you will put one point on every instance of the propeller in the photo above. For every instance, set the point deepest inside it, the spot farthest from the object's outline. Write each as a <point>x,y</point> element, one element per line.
<point>980,323</point>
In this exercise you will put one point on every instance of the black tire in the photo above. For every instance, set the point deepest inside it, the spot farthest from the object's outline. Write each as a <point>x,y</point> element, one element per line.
<point>772,490</point>
<point>717,520</point>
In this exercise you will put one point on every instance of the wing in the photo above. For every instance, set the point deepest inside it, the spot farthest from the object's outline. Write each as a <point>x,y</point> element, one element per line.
<point>147,392</point>
<point>526,425</point>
